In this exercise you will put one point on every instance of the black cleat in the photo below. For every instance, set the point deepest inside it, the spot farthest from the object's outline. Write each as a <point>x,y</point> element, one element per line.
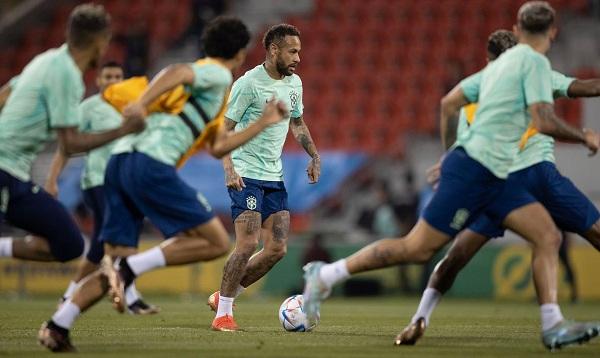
<point>411,334</point>
<point>55,338</point>
<point>140,307</point>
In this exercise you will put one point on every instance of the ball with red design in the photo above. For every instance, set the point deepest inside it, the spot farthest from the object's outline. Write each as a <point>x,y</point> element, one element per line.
<point>292,316</point>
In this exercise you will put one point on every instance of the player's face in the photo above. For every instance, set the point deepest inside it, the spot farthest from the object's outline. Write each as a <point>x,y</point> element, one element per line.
<point>108,76</point>
<point>288,55</point>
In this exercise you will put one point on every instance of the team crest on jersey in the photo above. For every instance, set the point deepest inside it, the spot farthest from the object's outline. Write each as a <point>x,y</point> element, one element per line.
<point>294,98</point>
<point>251,202</point>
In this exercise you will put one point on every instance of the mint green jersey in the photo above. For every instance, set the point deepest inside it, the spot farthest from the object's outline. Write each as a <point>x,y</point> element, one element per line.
<point>519,78</point>
<point>46,96</point>
<point>97,116</point>
<point>260,158</point>
<point>539,147</point>
<point>166,137</point>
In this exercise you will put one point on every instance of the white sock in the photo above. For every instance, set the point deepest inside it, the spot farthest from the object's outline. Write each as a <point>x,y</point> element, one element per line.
<point>6,246</point>
<point>131,294</point>
<point>551,315</point>
<point>333,273</point>
<point>225,306</point>
<point>66,315</point>
<point>70,290</point>
<point>239,290</point>
<point>147,261</point>
<point>429,300</point>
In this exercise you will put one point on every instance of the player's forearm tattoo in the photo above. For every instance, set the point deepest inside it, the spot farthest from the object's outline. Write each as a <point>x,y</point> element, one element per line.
<point>302,135</point>
<point>556,127</point>
<point>281,227</point>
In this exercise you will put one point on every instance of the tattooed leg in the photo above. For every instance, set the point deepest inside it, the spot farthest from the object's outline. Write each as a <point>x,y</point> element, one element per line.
<point>417,247</point>
<point>247,232</point>
<point>274,234</point>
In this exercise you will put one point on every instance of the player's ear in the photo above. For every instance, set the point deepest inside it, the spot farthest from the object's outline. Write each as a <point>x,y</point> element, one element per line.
<point>552,32</point>
<point>273,49</point>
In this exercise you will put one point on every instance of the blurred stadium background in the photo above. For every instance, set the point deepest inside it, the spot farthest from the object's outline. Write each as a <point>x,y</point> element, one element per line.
<point>373,74</point>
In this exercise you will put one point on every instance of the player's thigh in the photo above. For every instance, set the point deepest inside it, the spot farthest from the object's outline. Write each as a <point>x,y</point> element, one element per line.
<point>533,223</point>
<point>212,230</point>
<point>276,229</point>
<point>35,211</point>
<point>246,211</point>
<point>423,241</point>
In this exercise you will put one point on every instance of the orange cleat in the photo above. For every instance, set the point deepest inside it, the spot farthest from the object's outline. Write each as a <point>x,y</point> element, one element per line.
<point>213,302</point>
<point>224,324</point>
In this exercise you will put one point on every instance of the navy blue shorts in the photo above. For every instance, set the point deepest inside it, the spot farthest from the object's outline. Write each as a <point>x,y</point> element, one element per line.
<point>137,186</point>
<point>570,209</point>
<point>93,198</point>
<point>265,197</point>
<point>27,206</point>
<point>465,191</point>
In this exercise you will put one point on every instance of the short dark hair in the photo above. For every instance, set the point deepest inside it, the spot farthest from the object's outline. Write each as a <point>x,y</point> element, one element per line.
<point>536,17</point>
<point>278,32</point>
<point>500,41</point>
<point>224,37</point>
<point>85,22</point>
<point>111,64</point>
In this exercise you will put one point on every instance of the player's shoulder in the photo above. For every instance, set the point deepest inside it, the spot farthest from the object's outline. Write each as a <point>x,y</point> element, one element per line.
<point>295,80</point>
<point>527,54</point>
<point>92,102</point>
<point>215,73</point>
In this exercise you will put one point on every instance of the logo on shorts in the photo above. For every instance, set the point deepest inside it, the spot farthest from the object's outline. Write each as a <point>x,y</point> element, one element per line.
<point>204,202</point>
<point>251,202</point>
<point>4,197</point>
<point>294,98</point>
<point>460,218</point>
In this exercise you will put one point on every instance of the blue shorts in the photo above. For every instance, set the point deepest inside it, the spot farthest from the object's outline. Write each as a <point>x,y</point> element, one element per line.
<point>137,186</point>
<point>93,198</point>
<point>570,209</point>
<point>466,189</point>
<point>27,206</point>
<point>265,197</point>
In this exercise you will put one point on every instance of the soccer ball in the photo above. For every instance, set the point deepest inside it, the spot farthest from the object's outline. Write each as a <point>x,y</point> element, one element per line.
<point>292,316</point>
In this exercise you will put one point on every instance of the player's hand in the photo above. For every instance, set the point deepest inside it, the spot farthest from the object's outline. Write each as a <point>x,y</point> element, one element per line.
<point>52,189</point>
<point>274,112</point>
<point>135,110</point>
<point>314,170</point>
<point>133,125</point>
<point>592,140</point>
<point>233,180</point>
<point>433,174</point>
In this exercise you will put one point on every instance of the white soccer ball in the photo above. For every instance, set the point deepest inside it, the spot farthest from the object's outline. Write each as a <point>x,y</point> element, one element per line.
<point>292,316</point>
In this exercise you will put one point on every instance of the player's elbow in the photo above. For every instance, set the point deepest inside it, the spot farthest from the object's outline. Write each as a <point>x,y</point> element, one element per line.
<point>217,150</point>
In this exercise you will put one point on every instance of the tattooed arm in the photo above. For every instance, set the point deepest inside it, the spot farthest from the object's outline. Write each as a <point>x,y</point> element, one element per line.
<point>450,109</point>
<point>545,121</point>
<point>302,135</point>
<point>584,88</point>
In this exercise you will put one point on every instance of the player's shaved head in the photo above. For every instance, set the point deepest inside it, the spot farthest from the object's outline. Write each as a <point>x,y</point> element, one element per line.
<point>86,23</point>
<point>536,17</point>
<point>276,34</point>
<point>500,41</point>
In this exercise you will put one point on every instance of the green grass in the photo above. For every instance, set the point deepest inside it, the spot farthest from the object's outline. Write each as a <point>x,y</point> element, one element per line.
<point>349,328</point>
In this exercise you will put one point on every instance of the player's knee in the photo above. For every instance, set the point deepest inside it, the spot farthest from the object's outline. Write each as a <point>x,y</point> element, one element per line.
<point>69,249</point>
<point>551,239</point>
<point>246,244</point>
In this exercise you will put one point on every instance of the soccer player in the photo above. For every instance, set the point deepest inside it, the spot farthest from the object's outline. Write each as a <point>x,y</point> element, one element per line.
<point>141,178</point>
<point>96,116</point>
<point>515,91</point>
<point>43,104</point>
<point>535,171</point>
<point>254,173</point>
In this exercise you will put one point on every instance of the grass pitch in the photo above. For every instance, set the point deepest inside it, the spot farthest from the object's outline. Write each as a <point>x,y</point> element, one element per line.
<point>348,328</point>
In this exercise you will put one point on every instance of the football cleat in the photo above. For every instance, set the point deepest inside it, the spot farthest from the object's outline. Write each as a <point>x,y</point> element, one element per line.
<point>139,307</point>
<point>224,324</point>
<point>116,284</point>
<point>565,333</point>
<point>51,337</point>
<point>411,333</point>
<point>213,302</point>
<point>315,291</point>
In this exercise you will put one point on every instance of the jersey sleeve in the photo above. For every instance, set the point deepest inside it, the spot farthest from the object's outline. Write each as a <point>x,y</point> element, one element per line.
<point>560,84</point>
<point>64,92</point>
<point>240,98</point>
<point>470,87</point>
<point>297,104</point>
<point>463,124</point>
<point>13,82</point>
<point>537,80</point>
